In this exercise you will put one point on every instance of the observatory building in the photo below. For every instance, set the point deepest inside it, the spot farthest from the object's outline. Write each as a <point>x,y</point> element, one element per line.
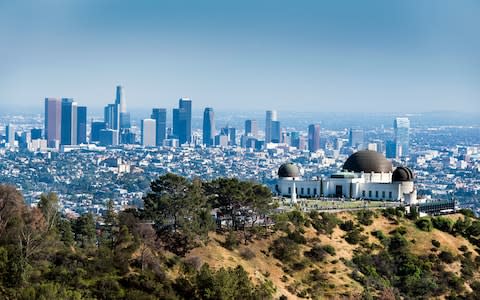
<point>364,175</point>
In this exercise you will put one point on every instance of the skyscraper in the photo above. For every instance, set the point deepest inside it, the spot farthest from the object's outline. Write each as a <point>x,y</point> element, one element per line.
<point>121,106</point>
<point>53,118</point>
<point>149,133</point>
<point>10,134</point>
<point>69,122</point>
<point>314,137</point>
<point>208,127</point>
<point>276,132</point>
<point>271,115</point>
<point>97,126</point>
<point>356,138</point>
<point>251,128</point>
<point>160,117</point>
<point>182,121</point>
<point>402,136</point>
<point>82,125</point>
<point>111,116</point>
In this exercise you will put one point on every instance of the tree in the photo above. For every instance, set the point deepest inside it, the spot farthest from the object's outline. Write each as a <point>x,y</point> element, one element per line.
<point>175,205</point>
<point>11,207</point>
<point>49,207</point>
<point>85,231</point>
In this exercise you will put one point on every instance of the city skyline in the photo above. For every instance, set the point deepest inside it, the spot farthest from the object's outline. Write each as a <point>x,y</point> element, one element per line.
<point>312,56</point>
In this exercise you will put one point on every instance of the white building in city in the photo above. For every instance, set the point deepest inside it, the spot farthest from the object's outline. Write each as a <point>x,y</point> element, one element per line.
<point>365,175</point>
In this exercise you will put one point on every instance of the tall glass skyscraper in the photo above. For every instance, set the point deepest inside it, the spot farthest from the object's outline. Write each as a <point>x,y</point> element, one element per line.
<point>53,119</point>
<point>356,138</point>
<point>182,121</point>
<point>402,136</point>
<point>271,115</point>
<point>69,122</point>
<point>276,132</point>
<point>82,125</point>
<point>160,117</point>
<point>208,126</point>
<point>148,133</point>
<point>251,128</point>
<point>314,137</point>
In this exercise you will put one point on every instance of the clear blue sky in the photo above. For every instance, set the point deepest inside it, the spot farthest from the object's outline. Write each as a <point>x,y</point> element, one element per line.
<point>382,56</point>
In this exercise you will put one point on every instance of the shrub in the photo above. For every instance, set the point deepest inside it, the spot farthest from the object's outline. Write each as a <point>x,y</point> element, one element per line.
<point>231,240</point>
<point>354,237</point>
<point>467,212</point>
<point>365,217</point>
<point>436,243</point>
<point>297,237</point>
<point>247,254</point>
<point>424,224</point>
<point>284,249</point>
<point>446,257</point>
<point>347,225</point>
<point>329,249</point>
<point>443,224</point>
<point>297,218</point>
<point>317,253</point>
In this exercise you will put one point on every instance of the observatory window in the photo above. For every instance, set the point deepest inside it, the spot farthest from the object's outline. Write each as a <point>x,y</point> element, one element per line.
<point>376,194</point>
<point>315,191</point>
<point>383,194</point>
<point>370,194</point>
<point>289,190</point>
<point>390,195</point>
<point>308,191</point>
<point>363,193</point>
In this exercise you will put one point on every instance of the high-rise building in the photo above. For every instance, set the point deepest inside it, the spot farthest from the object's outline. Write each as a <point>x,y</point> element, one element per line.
<point>53,119</point>
<point>271,115</point>
<point>149,133</point>
<point>356,138</point>
<point>251,128</point>
<point>36,133</point>
<point>314,137</point>
<point>208,127</point>
<point>390,149</point>
<point>182,121</point>
<point>10,134</point>
<point>109,137</point>
<point>82,125</point>
<point>276,132</point>
<point>97,126</point>
<point>111,116</point>
<point>402,136</point>
<point>121,104</point>
<point>69,122</point>
<point>160,117</point>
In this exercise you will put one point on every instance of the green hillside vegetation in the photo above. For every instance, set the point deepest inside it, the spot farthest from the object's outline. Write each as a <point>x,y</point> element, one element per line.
<point>173,249</point>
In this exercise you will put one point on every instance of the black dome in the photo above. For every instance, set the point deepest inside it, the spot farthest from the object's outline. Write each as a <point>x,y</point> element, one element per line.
<point>288,170</point>
<point>367,161</point>
<point>402,174</point>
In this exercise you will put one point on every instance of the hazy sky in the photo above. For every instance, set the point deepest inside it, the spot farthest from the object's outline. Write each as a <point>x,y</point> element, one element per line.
<point>383,56</point>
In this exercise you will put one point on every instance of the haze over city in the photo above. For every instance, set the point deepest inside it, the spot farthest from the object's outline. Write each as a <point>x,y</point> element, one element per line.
<point>368,56</point>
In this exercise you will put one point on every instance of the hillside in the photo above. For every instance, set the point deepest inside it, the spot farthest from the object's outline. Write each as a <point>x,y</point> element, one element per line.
<point>335,279</point>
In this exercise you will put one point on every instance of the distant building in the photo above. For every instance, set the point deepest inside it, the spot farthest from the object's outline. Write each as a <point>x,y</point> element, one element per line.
<point>97,126</point>
<point>69,122</point>
<point>10,134</point>
<point>356,138</point>
<point>127,137</point>
<point>390,149</point>
<point>53,119</point>
<point>109,137</point>
<point>160,117</point>
<point>208,127</point>
<point>402,136</point>
<point>112,117</point>
<point>81,125</point>
<point>251,128</point>
<point>36,133</point>
<point>182,121</point>
<point>271,115</point>
<point>314,137</point>
<point>221,140</point>
<point>149,133</point>
<point>276,132</point>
